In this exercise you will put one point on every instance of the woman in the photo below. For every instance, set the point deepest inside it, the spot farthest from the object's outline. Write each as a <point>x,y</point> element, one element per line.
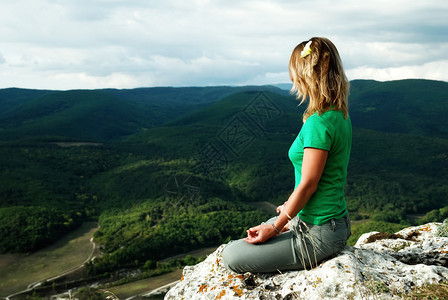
<point>313,223</point>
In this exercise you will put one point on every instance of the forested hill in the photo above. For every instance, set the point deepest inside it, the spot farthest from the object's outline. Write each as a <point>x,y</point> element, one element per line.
<point>398,160</point>
<point>99,115</point>
<point>405,106</point>
<point>166,170</point>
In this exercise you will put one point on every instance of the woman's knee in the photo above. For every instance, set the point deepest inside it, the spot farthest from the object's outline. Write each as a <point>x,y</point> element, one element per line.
<point>230,256</point>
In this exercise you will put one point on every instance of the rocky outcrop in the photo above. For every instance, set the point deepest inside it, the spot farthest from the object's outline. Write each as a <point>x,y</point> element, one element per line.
<point>379,266</point>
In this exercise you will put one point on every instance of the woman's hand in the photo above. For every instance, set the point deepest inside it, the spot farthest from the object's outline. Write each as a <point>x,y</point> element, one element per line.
<point>280,208</point>
<point>285,228</point>
<point>260,233</point>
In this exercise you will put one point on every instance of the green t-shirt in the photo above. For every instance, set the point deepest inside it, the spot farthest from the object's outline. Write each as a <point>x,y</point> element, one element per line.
<point>328,131</point>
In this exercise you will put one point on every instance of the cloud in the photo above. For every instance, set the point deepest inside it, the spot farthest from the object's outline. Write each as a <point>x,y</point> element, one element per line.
<point>391,54</point>
<point>98,43</point>
<point>433,70</point>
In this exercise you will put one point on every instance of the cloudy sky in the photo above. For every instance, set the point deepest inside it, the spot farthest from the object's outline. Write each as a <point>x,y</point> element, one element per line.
<point>71,44</point>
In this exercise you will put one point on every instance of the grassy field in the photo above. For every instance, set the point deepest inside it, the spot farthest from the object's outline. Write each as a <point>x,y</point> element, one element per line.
<point>144,285</point>
<point>20,270</point>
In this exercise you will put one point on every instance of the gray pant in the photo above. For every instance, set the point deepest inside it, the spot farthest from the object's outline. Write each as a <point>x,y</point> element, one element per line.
<point>304,246</point>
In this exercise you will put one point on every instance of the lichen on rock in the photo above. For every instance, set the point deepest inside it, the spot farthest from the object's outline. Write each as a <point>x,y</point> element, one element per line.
<point>380,269</point>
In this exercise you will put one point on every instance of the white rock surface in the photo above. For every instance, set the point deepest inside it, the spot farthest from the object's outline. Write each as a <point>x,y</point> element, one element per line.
<point>372,270</point>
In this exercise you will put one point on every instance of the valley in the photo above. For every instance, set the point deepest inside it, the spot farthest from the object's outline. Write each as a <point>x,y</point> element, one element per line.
<point>22,272</point>
<point>165,171</point>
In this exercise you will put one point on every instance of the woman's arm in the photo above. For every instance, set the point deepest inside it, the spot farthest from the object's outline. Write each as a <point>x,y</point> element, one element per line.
<point>312,167</point>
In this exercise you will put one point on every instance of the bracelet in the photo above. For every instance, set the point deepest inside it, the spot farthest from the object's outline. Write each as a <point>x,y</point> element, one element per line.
<point>278,232</point>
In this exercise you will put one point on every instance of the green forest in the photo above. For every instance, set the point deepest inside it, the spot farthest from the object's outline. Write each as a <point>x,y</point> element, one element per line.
<point>168,170</point>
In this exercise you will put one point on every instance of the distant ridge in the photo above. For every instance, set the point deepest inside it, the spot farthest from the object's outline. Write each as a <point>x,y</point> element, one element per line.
<point>11,98</point>
<point>101,115</point>
<point>284,86</point>
<point>412,106</point>
<point>403,106</point>
<point>77,114</point>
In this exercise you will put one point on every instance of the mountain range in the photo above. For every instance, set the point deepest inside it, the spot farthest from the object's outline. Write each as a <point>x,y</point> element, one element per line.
<point>150,161</point>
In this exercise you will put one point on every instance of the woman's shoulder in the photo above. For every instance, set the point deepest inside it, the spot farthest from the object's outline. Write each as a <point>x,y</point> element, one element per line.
<point>331,116</point>
<point>324,116</point>
<point>328,119</point>
<point>316,122</point>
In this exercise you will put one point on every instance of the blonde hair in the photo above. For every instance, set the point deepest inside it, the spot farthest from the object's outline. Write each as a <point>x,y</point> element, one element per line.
<point>319,76</point>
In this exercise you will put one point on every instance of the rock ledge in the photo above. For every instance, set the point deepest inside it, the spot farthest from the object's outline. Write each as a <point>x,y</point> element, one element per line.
<point>375,268</point>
